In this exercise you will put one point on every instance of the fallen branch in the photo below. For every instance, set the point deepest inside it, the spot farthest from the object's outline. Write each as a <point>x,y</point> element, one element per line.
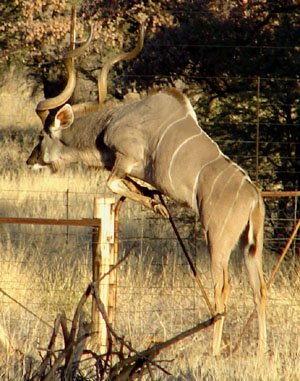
<point>130,365</point>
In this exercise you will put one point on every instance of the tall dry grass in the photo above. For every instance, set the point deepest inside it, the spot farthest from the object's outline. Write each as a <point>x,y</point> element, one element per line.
<point>45,269</point>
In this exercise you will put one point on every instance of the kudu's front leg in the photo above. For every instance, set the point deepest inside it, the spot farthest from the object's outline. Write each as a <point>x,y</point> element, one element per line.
<point>120,184</point>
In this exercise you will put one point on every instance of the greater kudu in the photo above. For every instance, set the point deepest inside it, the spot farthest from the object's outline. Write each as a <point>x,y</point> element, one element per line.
<point>159,141</point>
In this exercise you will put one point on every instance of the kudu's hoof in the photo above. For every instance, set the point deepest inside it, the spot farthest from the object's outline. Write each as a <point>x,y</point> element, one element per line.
<point>160,209</point>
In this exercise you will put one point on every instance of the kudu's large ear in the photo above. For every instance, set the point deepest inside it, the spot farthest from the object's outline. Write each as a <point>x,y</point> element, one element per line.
<point>63,119</point>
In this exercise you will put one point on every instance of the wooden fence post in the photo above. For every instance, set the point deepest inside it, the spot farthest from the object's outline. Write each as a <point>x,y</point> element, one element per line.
<point>103,259</point>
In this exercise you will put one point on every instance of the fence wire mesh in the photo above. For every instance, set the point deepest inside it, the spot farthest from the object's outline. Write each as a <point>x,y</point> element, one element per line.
<point>47,268</point>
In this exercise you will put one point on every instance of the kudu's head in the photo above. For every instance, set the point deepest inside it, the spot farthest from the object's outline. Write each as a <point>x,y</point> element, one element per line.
<point>57,115</point>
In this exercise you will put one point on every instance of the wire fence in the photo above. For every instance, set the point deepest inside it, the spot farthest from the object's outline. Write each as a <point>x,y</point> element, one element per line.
<point>46,269</point>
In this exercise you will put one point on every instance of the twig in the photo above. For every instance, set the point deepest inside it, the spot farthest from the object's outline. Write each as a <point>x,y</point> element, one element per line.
<point>62,356</point>
<point>40,371</point>
<point>192,266</point>
<point>128,252</point>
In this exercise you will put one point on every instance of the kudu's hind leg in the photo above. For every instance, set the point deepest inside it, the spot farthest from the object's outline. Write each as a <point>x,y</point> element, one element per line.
<point>219,270</point>
<point>124,186</point>
<point>252,243</point>
<point>253,262</point>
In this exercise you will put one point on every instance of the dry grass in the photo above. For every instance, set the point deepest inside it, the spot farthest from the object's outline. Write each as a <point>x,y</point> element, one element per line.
<point>46,270</point>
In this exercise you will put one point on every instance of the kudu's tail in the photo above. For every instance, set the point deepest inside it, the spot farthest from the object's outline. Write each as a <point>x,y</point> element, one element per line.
<point>253,235</point>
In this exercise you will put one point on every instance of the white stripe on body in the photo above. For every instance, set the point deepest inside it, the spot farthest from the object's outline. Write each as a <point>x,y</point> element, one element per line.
<point>192,112</point>
<point>195,187</point>
<point>240,168</point>
<point>167,129</point>
<point>211,192</point>
<point>231,208</point>
<point>175,154</point>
